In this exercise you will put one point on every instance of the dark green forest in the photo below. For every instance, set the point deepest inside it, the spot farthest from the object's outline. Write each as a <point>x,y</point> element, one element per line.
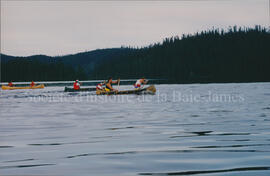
<point>237,55</point>
<point>24,70</point>
<point>46,68</point>
<point>231,55</point>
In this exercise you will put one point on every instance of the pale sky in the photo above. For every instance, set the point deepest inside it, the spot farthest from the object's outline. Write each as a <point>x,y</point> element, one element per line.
<point>67,27</point>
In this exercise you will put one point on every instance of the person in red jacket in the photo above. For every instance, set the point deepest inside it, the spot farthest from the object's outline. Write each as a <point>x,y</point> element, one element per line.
<point>100,86</point>
<point>140,83</point>
<point>76,85</point>
<point>32,84</point>
<point>10,84</point>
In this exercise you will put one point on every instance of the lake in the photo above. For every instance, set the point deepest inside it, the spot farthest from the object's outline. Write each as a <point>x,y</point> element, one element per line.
<point>193,129</point>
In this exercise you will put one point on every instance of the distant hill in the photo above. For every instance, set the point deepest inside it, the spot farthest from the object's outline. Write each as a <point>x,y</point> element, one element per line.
<point>87,60</point>
<point>90,60</point>
<point>234,55</point>
<point>74,66</point>
<point>41,58</point>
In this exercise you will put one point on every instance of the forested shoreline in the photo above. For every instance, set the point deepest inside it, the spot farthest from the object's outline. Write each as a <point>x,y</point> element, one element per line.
<point>233,55</point>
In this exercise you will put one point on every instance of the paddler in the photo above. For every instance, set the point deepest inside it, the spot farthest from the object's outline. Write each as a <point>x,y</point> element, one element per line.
<point>109,83</point>
<point>32,84</point>
<point>10,84</point>
<point>140,83</point>
<point>76,85</point>
<point>100,86</point>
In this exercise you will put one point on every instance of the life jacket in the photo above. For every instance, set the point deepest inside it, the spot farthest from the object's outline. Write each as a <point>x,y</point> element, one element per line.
<point>10,84</point>
<point>76,85</point>
<point>106,87</point>
<point>138,84</point>
<point>32,84</point>
<point>99,86</point>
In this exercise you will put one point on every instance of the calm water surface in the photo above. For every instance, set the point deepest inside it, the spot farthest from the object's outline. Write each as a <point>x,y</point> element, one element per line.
<point>197,129</point>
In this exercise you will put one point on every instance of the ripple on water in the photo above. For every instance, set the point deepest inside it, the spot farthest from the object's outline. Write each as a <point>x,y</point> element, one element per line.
<point>25,165</point>
<point>194,115</point>
<point>23,160</point>
<point>67,143</point>
<point>221,110</point>
<point>166,151</point>
<point>208,133</point>
<point>266,108</point>
<point>262,115</point>
<point>201,133</point>
<point>231,146</point>
<point>242,169</point>
<point>6,146</point>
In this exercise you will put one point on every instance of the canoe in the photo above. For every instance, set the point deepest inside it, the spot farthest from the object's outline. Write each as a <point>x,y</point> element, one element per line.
<point>41,86</point>
<point>69,89</point>
<point>149,90</point>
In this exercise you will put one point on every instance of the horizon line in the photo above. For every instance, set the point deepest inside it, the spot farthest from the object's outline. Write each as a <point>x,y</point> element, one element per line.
<point>152,43</point>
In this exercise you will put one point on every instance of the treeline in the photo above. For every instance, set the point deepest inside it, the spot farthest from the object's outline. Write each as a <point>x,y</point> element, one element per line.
<point>234,55</point>
<point>27,70</point>
<point>46,68</point>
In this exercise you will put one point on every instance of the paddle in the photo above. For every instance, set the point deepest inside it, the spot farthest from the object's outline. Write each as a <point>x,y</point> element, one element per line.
<point>118,84</point>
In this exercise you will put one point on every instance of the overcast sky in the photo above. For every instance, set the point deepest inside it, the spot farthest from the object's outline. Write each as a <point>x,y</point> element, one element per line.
<point>67,27</point>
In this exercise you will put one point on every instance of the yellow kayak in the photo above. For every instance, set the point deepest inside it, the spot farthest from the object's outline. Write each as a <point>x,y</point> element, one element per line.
<point>41,86</point>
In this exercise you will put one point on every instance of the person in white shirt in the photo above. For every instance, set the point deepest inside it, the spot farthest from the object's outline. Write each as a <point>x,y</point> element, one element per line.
<point>140,83</point>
